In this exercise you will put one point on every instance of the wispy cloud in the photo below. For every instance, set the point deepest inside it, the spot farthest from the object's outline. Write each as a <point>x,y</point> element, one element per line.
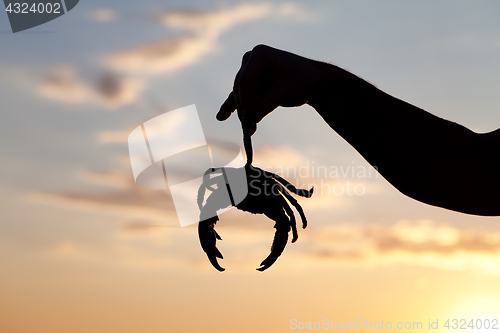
<point>115,179</point>
<point>420,243</point>
<point>103,15</point>
<point>115,91</point>
<point>202,30</point>
<point>128,200</point>
<point>160,57</point>
<point>412,243</point>
<point>125,197</point>
<point>115,136</point>
<point>125,73</point>
<point>273,158</point>
<point>65,84</point>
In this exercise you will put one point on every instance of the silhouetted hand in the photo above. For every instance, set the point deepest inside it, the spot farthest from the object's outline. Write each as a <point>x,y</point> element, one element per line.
<point>269,78</point>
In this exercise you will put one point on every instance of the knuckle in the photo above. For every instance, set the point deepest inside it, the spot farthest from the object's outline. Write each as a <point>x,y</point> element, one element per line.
<point>246,56</point>
<point>261,48</point>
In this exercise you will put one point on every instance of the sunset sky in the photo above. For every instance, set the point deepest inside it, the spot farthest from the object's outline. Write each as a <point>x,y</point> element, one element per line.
<point>83,249</point>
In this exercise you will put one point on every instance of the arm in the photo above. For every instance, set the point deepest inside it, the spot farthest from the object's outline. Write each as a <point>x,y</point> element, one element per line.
<point>425,157</point>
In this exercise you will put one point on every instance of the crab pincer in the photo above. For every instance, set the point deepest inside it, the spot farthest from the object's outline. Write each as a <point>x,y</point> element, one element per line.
<point>208,238</point>
<point>279,243</point>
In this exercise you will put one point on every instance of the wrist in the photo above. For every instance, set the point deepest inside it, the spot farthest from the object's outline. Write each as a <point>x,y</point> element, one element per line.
<point>338,91</point>
<point>326,86</point>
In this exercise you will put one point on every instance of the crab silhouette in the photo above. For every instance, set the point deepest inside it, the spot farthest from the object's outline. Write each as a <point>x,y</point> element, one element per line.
<point>266,195</point>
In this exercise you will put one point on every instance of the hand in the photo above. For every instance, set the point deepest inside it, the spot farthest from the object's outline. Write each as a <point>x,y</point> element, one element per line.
<point>269,78</point>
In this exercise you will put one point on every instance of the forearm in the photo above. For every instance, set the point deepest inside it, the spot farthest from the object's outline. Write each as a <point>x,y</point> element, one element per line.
<point>426,157</point>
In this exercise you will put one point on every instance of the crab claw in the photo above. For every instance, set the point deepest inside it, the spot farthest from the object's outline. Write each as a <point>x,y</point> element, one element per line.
<point>208,236</point>
<point>305,193</point>
<point>279,243</point>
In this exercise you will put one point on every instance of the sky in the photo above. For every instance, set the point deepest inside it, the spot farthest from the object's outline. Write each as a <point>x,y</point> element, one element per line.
<point>84,249</point>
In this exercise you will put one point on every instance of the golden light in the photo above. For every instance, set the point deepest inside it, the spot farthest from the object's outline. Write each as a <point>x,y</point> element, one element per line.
<point>478,314</point>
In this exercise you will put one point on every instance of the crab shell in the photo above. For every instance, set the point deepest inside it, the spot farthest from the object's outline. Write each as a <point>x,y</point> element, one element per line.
<point>266,195</point>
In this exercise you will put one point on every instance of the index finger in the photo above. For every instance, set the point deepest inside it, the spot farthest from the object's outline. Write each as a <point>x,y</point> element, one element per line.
<point>230,104</point>
<point>249,79</point>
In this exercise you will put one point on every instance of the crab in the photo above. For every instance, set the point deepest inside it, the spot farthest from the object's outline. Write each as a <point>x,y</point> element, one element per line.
<point>268,194</point>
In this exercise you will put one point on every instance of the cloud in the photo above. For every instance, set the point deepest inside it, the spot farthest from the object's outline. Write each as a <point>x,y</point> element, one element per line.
<point>276,159</point>
<point>295,12</point>
<point>419,243</point>
<point>63,84</point>
<point>124,198</point>
<point>123,252</point>
<point>128,200</point>
<point>102,15</point>
<point>335,187</point>
<point>139,227</point>
<point>115,91</point>
<point>330,193</point>
<point>117,136</point>
<point>202,30</point>
<point>160,57</point>
<point>115,179</point>
<point>149,213</point>
<point>110,90</point>
<point>154,233</point>
<point>214,22</point>
<point>412,243</point>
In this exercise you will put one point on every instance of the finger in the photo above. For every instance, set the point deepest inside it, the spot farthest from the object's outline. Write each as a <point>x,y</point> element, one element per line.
<point>236,85</point>
<point>248,126</point>
<point>254,72</point>
<point>227,108</point>
<point>230,105</point>
<point>261,107</point>
<point>244,61</point>
<point>252,128</point>
<point>247,143</point>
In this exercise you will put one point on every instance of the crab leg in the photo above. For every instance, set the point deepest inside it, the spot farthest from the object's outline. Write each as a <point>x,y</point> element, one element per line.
<point>289,186</point>
<point>293,224</point>
<point>280,237</point>
<point>295,204</point>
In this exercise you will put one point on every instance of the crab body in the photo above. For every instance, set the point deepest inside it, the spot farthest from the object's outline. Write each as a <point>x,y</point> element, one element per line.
<point>267,194</point>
